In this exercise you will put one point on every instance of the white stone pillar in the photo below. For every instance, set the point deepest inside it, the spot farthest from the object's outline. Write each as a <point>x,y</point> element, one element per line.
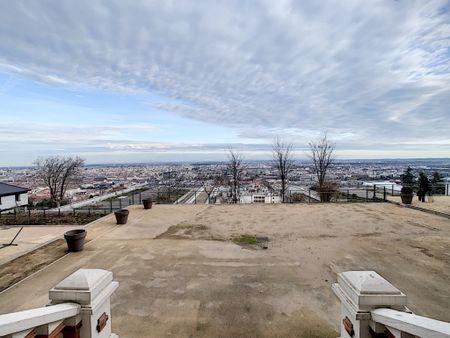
<point>360,292</point>
<point>92,289</point>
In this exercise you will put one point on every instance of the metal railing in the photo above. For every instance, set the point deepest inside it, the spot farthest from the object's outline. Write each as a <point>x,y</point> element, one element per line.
<point>442,189</point>
<point>197,195</point>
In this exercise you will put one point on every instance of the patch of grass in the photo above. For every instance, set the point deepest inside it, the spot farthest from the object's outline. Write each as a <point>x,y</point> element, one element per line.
<point>245,240</point>
<point>186,231</point>
<point>201,326</point>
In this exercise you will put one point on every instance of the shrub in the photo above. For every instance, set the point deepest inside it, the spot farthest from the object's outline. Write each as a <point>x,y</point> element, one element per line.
<point>406,190</point>
<point>327,191</point>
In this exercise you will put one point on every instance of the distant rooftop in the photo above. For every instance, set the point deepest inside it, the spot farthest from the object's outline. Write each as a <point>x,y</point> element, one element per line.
<point>9,189</point>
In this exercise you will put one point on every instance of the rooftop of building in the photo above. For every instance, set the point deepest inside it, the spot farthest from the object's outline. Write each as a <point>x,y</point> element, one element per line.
<point>181,275</point>
<point>9,189</point>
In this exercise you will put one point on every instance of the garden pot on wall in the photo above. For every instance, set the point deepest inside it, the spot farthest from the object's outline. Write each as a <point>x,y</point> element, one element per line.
<point>147,202</point>
<point>121,216</point>
<point>75,239</point>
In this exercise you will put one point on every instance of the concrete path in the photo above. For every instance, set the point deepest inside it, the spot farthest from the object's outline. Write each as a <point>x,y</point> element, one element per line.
<point>29,239</point>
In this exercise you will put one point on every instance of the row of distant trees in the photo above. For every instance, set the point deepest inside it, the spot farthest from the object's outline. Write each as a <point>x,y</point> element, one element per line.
<point>320,152</point>
<point>423,183</point>
<point>58,172</point>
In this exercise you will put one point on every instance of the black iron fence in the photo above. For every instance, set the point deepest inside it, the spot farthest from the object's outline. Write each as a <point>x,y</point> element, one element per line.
<point>91,211</point>
<point>434,189</point>
<point>338,195</point>
<point>197,195</point>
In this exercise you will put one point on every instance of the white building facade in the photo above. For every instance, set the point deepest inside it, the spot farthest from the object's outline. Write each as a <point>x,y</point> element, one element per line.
<point>12,196</point>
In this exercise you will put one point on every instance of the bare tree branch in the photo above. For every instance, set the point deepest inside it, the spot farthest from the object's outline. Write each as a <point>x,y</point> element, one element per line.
<point>57,173</point>
<point>209,186</point>
<point>321,154</point>
<point>234,173</point>
<point>282,157</point>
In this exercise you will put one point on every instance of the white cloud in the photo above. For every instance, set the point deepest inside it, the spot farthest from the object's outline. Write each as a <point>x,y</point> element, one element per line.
<point>378,71</point>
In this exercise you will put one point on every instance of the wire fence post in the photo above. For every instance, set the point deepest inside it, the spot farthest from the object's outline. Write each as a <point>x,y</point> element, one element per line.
<point>195,197</point>
<point>120,203</point>
<point>384,193</point>
<point>392,186</point>
<point>140,197</point>
<point>309,195</point>
<point>367,195</point>
<point>59,212</point>
<point>44,212</point>
<point>374,191</point>
<point>348,195</point>
<point>110,205</point>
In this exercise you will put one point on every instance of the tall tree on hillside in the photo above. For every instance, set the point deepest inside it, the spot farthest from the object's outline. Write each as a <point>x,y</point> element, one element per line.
<point>57,173</point>
<point>437,180</point>
<point>282,158</point>
<point>321,153</point>
<point>408,179</point>
<point>234,174</point>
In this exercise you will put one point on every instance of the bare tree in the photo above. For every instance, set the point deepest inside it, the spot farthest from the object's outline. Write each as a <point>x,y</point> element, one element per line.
<point>209,186</point>
<point>171,182</point>
<point>57,173</point>
<point>282,158</point>
<point>321,154</point>
<point>234,173</point>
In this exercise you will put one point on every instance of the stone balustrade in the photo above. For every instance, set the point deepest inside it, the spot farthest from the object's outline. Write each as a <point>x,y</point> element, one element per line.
<point>79,308</point>
<point>371,307</point>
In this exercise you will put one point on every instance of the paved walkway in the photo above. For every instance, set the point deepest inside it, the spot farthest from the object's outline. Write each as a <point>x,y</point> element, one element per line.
<point>29,239</point>
<point>181,276</point>
<point>32,237</point>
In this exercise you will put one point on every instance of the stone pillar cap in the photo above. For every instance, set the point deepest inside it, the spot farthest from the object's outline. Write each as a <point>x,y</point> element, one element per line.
<point>367,289</point>
<point>368,282</point>
<point>82,287</point>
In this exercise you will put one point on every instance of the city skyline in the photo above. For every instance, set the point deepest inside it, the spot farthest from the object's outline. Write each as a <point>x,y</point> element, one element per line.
<point>161,82</point>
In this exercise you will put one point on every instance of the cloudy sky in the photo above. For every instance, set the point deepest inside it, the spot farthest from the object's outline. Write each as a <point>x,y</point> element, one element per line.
<point>125,81</point>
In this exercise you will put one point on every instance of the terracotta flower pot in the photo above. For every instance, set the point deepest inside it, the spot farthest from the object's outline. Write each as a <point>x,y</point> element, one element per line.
<point>147,202</point>
<point>75,239</point>
<point>407,198</point>
<point>121,216</point>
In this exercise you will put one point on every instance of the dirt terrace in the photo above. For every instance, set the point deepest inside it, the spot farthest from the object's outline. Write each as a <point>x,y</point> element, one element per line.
<point>435,203</point>
<point>181,276</point>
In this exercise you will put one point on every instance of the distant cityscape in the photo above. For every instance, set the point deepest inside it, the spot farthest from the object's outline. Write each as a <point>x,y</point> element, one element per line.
<point>259,181</point>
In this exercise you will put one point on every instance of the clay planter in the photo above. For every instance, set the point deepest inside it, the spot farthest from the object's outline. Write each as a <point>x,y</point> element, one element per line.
<point>147,202</point>
<point>121,216</point>
<point>75,239</point>
<point>407,198</point>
